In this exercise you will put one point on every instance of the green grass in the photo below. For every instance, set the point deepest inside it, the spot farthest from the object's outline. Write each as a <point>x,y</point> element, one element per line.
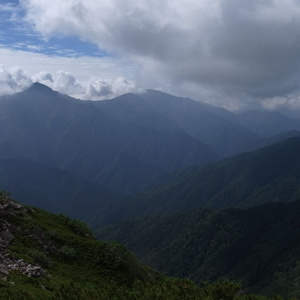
<point>80,267</point>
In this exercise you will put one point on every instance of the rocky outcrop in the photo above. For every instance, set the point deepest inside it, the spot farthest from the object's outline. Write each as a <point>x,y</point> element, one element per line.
<point>9,208</point>
<point>9,264</point>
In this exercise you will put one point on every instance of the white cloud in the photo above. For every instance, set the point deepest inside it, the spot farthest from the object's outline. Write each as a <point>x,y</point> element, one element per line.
<point>13,80</point>
<point>83,68</point>
<point>65,82</point>
<point>104,89</point>
<point>251,47</point>
<point>231,53</point>
<point>93,89</point>
<point>34,47</point>
<point>82,77</point>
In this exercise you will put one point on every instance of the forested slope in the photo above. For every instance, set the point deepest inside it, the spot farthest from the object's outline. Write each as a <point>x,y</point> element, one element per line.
<point>258,247</point>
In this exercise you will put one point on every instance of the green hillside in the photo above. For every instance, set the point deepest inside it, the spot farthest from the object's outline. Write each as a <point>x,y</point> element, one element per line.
<point>258,247</point>
<point>45,256</point>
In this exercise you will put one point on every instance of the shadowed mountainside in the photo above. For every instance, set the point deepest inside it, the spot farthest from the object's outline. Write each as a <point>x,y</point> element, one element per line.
<point>258,247</point>
<point>271,174</point>
<point>115,148</point>
<point>56,130</point>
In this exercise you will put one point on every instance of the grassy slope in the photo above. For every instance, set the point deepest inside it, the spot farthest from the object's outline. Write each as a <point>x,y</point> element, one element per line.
<point>79,267</point>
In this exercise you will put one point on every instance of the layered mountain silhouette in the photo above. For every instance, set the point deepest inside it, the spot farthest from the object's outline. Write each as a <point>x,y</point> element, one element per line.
<point>268,123</point>
<point>270,174</point>
<point>226,133</point>
<point>215,127</point>
<point>109,149</point>
<point>56,130</point>
<point>152,155</point>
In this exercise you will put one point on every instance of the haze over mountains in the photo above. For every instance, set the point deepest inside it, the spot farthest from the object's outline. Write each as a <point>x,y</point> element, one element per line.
<point>270,174</point>
<point>61,132</point>
<point>105,150</point>
<point>172,164</point>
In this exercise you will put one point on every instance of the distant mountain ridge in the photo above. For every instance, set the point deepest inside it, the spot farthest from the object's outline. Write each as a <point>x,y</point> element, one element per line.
<point>227,133</point>
<point>56,130</point>
<point>168,113</point>
<point>116,147</point>
<point>271,174</point>
<point>151,155</point>
<point>268,123</point>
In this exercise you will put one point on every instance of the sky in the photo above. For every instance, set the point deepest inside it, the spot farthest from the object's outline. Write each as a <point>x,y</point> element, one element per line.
<point>231,53</point>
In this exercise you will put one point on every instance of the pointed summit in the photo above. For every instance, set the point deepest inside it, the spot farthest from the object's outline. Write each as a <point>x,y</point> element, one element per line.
<point>38,87</point>
<point>40,91</point>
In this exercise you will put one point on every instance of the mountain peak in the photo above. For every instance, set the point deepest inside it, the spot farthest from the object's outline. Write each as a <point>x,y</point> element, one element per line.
<point>152,92</point>
<point>38,87</point>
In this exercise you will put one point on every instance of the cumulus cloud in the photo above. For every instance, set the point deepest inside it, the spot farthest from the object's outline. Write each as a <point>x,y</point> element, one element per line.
<point>14,80</point>
<point>84,77</point>
<point>104,88</point>
<point>247,47</point>
<point>66,82</point>
<point>93,89</point>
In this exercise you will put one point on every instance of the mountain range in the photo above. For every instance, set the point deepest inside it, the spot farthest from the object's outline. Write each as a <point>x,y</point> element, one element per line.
<point>270,174</point>
<point>58,131</point>
<point>108,150</point>
<point>198,181</point>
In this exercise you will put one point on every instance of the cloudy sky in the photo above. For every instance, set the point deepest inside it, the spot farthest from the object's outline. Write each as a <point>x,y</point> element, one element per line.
<point>231,53</point>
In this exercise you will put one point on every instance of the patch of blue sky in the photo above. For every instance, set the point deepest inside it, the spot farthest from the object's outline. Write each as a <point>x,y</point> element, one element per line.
<point>18,35</point>
<point>12,2</point>
<point>72,46</point>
